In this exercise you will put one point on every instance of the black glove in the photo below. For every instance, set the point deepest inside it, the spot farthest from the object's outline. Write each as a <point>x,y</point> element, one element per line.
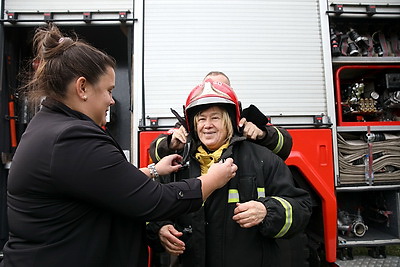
<point>254,115</point>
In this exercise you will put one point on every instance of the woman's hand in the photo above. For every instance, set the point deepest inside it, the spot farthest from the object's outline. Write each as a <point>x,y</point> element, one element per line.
<point>249,214</point>
<point>178,139</point>
<point>169,238</point>
<point>218,175</point>
<point>250,130</point>
<point>169,164</point>
<point>222,172</point>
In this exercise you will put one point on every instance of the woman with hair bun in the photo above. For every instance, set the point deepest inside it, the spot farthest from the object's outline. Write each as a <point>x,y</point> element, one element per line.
<point>73,198</point>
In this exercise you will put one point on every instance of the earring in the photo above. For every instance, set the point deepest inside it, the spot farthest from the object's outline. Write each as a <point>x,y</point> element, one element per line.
<point>84,98</point>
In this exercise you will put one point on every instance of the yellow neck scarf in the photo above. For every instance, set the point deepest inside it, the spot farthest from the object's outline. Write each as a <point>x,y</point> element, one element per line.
<point>207,159</point>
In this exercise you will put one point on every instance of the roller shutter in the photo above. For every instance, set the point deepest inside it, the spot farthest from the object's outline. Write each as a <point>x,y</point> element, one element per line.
<point>271,50</point>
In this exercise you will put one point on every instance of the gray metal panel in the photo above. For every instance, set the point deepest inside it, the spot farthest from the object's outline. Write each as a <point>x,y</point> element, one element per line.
<point>271,50</point>
<point>373,2</point>
<point>70,5</point>
<point>69,12</point>
<point>362,261</point>
<point>356,9</point>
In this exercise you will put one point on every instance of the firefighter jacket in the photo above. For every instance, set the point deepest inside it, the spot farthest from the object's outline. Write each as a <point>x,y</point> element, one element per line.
<point>214,239</point>
<point>74,200</point>
<point>277,139</point>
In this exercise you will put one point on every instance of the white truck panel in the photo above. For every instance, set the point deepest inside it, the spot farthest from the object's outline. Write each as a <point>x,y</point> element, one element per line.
<point>271,50</point>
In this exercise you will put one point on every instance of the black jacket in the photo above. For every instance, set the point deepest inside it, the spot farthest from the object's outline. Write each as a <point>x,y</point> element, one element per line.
<point>74,200</point>
<point>213,239</point>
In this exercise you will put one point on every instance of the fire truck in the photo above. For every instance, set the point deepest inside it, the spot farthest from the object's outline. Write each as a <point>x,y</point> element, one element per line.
<point>327,71</point>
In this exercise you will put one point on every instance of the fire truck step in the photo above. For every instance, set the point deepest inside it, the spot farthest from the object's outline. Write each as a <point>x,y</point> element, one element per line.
<point>364,261</point>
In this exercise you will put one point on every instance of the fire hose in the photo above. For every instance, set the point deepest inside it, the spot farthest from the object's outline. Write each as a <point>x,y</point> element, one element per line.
<point>351,225</point>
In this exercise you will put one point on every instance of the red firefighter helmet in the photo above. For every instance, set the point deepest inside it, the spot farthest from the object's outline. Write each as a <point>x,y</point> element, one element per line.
<point>211,93</point>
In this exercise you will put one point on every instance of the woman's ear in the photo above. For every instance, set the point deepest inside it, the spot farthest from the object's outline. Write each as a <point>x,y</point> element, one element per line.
<point>80,88</point>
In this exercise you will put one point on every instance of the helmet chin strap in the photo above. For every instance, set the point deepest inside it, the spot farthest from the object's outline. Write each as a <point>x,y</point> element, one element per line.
<point>180,119</point>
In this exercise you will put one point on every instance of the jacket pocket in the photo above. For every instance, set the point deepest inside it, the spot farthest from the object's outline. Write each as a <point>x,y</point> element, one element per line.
<point>247,188</point>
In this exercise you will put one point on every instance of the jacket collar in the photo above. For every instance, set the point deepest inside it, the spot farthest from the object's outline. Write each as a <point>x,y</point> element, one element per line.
<point>236,139</point>
<point>59,107</point>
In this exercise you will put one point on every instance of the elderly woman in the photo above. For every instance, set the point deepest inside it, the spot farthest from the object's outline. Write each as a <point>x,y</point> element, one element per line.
<point>253,126</point>
<point>238,224</point>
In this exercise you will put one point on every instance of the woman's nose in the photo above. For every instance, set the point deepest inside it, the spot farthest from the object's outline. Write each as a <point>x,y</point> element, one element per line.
<point>208,123</point>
